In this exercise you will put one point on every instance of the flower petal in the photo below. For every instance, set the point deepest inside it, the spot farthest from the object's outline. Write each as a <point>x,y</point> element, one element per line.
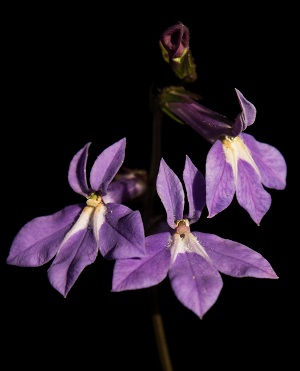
<point>170,191</point>
<point>220,187</point>
<point>270,162</point>
<point>248,114</point>
<point>132,274</point>
<point>38,240</point>
<point>78,251</point>
<point>235,259</point>
<point>196,282</point>
<point>77,172</point>
<point>195,188</point>
<point>107,165</point>
<point>250,193</point>
<point>121,235</point>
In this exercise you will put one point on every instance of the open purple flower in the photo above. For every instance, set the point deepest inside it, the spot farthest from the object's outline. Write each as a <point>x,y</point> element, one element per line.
<point>192,260</point>
<point>237,164</point>
<point>74,235</point>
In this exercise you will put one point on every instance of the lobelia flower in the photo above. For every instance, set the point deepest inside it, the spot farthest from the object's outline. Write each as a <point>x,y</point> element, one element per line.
<point>237,164</point>
<point>174,44</point>
<point>192,260</point>
<point>74,235</point>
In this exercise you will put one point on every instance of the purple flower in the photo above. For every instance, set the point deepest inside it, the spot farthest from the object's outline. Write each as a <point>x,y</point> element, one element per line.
<point>192,260</point>
<point>74,235</point>
<point>237,164</point>
<point>174,44</point>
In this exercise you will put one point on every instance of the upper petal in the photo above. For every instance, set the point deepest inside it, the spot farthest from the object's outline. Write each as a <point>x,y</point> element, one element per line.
<point>270,162</point>
<point>196,282</point>
<point>77,172</point>
<point>244,118</point>
<point>250,193</point>
<point>107,165</point>
<point>195,188</point>
<point>170,191</point>
<point>132,274</point>
<point>220,187</point>
<point>121,235</point>
<point>233,258</point>
<point>38,241</point>
<point>77,251</point>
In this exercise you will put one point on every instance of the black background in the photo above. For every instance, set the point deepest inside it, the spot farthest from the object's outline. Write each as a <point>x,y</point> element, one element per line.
<point>76,75</point>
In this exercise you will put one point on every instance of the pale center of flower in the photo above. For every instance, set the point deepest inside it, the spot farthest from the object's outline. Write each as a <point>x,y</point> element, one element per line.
<point>183,241</point>
<point>99,210</point>
<point>82,223</point>
<point>182,227</point>
<point>235,149</point>
<point>94,200</point>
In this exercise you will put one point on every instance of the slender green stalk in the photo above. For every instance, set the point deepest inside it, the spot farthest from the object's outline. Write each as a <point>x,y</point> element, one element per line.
<point>159,330</point>
<point>148,212</point>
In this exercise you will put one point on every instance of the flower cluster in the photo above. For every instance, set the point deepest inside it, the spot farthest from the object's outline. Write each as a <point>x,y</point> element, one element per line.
<point>236,165</point>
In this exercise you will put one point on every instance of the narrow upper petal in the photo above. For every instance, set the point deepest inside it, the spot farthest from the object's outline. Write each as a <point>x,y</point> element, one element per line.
<point>196,282</point>
<point>121,235</point>
<point>170,191</point>
<point>235,259</point>
<point>78,251</point>
<point>38,241</point>
<point>77,172</point>
<point>270,162</point>
<point>248,114</point>
<point>250,192</point>
<point>195,188</point>
<point>132,274</point>
<point>220,187</point>
<point>107,165</point>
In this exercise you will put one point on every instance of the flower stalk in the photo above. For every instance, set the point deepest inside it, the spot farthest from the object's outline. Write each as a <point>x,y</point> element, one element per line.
<point>147,215</point>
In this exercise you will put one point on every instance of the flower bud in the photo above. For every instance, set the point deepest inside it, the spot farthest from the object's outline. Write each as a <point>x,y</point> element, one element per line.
<point>128,184</point>
<point>174,44</point>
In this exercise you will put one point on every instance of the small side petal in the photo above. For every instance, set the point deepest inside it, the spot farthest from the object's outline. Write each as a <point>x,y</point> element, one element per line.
<point>77,172</point>
<point>270,162</point>
<point>195,188</point>
<point>75,254</point>
<point>121,235</point>
<point>38,241</point>
<point>132,274</point>
<point>170,191</point>
<point>250,193</point>
<point>235,259</point>
<point>220,187</point>
<point>196,282</point>
<point>107,165</point>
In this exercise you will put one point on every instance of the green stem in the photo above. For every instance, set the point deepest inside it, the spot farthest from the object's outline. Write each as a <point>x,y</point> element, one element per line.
<point>148,209</point>
<point>159,330</point>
